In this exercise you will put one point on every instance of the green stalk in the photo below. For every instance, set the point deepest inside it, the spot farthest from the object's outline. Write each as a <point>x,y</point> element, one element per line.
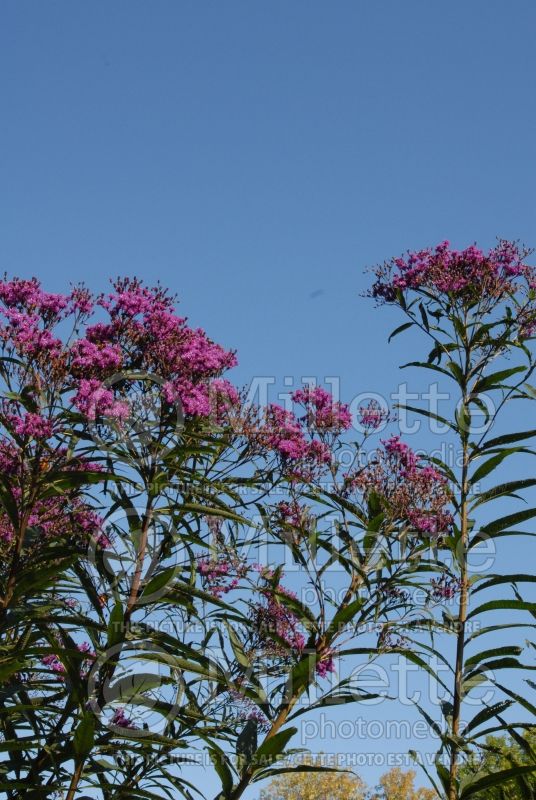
<point>463,548</point>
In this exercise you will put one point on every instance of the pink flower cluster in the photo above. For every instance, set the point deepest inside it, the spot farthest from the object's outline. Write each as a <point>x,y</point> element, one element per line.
<point>28,295</point>
<point>225,401</point>
<point>283,433</point>
<point>10,457</point>
<point>248,711</point>
<point>322,412</point>
<point>409,493</point>
<point>303,443</point>
<point>401,452</point>
<point>325,665</point>
<point>23,333</point>
<point>372,415</point>
<point>292,513</point>
<point>90,357</point>
<point>57,666</point>
<point>120,720</point>
<point>30,425</point>
<point>66,516</point>
<point>142,335</point>
<point>30,317</point>
<point>221,575</point>
<point>56,517</point>
<point>444,588</point>
<point>467,275</point>
<point>278,628</point>
<point>145,334</point>
<point>95,400</point>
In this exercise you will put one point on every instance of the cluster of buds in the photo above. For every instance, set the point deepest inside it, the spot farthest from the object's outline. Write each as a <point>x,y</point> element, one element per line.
<point>409,492</point>
<point>444,588</point>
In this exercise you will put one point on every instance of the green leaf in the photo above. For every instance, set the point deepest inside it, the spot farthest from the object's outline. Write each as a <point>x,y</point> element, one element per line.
<point>487,713</point>
<point>346,614</point>
<point>334,699</point>
<point>8,666</point>
<point>130,688</point>
<point>493,628</point>
<point>508,650</point>
<point>246,743</point>
<point>517,697</point>
<point>500,579</point>
<point>495,380</point>
<point>424,317</point>
<point>495,665</point>
<point>84,735</point>
<point>274,746</point>
<point>463,418</point>
<point>503,490</point>
<point>503,523</point>
<point>271,773</point>
<point>302,673</point>
<point>489,465</point>
<point>238,650</point>
<point>423,412</point>
<point>507,438</point>
<point>494,605</point>
<point>116,628</point>
<point>487,781</point>
<point>427,365</point>
<point>158,582</point>
<point>400,328</point>
<point>220,764</point>
<point>457,373</point>
<point>211,511</point>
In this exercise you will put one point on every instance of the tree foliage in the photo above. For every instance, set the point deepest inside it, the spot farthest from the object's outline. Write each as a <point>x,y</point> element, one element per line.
<point>319,782</point>
<point>396,784</point>
<point>500,753</point>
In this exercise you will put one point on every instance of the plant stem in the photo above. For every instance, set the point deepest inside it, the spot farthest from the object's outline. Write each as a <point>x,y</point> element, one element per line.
<point>463,548</point>
<point>136,580</point>
<point>75,780</point>
<point>460,644</point>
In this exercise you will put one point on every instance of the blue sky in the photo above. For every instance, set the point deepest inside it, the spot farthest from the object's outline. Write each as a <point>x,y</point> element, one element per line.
<point>251,154</point>
<point>255,157</point>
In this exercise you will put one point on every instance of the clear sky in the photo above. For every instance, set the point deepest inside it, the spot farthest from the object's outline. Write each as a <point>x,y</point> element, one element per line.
<point>256,156</point>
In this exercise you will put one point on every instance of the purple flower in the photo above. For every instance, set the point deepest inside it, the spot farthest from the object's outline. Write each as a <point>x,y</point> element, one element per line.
<point>120,720</point>
<point>94,400</point>
<point>468,275</point>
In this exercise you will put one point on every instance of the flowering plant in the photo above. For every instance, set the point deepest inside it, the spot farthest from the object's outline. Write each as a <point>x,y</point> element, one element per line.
<point>477,309</point>
<point>155,599</point>
<point>129,601</point>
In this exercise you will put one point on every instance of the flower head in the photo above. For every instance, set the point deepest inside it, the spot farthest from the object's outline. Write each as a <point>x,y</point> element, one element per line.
<point>468,276</point>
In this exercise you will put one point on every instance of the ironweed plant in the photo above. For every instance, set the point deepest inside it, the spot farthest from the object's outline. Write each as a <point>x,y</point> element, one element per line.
<point>156,603</point>
<point>479,312</point>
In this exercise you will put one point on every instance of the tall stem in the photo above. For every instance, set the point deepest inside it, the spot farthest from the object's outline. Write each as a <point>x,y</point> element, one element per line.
<point>136,580</point>
<point>75,780</point>
<point>462,619</point>
<point>463,548</point>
